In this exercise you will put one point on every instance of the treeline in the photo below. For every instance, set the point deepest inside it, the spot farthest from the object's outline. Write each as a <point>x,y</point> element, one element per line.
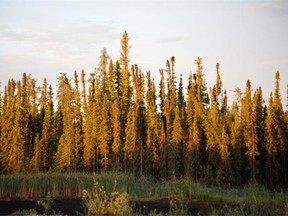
<point>116,119</point>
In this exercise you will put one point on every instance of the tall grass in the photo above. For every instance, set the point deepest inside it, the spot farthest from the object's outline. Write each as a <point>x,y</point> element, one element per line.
<point>70,184</point>
<point>253,198</point>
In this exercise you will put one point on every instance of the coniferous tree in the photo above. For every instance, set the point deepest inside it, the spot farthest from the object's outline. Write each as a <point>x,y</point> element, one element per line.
<point>17,153</point>
<point>125,86</point>
<point>139,85</point>
<point>173,147</point>
<point>1,112</point>
<point>65,157</point>
<point>77,124</point>
<point>176,140</point>
<point>152,122</point>
<point>249,131</point>
<point>163,130</point>
<point>259,121</point>
<point>185,129</point>
<point>272,165</point>
<point>89,118</point>
<point>237,150</point>
<point>200,100</point>
<point>24,119</point>
<point>12,149</point>
<point>193,156</point>
<point>280,131</point>
<point>44,144</point>
<point>213,132</point>
<point>117,144</point>
<point>111,125</point>
<point>105,136</point>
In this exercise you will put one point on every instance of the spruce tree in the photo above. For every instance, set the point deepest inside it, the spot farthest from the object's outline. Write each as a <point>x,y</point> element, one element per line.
<point>89,120</point>
<point>163,128</point>
<point>77,124</point>
<point>249,131</point>
<point>259,118</point>
<point>280,131</point>
<point>152,122</point>
<point>105,136</point>
<point>125,86</point>
<point>65,157</point>
<point>117,124</point>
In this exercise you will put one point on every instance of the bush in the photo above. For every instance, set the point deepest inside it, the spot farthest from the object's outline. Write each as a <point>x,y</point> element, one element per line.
<point>101,202</point>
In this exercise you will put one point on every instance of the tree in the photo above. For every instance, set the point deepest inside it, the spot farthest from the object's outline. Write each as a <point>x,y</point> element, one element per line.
<point>214,127</point>
<point>89,147</point>
<point>272,165</point>
<point>138,83</point>
<point>177,138</point>
<point>118,127</point>
<point>276,141</point>
<point>237,149</point>
<point>259,122</point>
<point>125,86</point>
<point>198,101</point>
<point>65,157</point>
<point>130,140</point>
<point>173,151</point>
<point>105,136</point>
<point>163,130</point>
<point>44,144</point>
<point>152,122</point>
<point>249,131</point>
<point>24,120</point>
<point>16,153</point>
<point>185,129</point>
<point>77,124</point>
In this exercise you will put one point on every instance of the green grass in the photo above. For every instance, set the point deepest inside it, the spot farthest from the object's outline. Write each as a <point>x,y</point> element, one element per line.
<point>69,184</point>
<point>252,198</point>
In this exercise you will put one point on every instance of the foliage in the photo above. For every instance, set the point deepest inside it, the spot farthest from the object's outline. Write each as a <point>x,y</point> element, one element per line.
<point>251,199</point>
<point>46,203</point>
<point>101,202</point>
<point>30,212</point>
<point>110,121</point>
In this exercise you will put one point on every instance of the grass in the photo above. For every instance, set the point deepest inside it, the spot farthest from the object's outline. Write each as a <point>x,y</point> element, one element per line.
<point>23,186</point>
<point>251,198</point>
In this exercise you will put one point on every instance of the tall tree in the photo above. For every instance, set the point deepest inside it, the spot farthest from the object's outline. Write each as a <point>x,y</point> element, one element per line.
<point>259,122</point>
<point>125,87</point>
<point>89,148</point>
<point>280,131</point>
<point>152,122</point>
<point>249,130</point>
<point>44,141</point>
<point>173,150</point>
<point>65,157</point>
<point>118,127</point>
<point>163,130</point>
<point>185,129</point>
<point>237,149</point>
<point>77,123</point>
<point>138,83</point>
<point>105,136</point>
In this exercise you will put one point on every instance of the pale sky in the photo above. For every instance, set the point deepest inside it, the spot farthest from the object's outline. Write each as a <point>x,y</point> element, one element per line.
<point>248,38</point>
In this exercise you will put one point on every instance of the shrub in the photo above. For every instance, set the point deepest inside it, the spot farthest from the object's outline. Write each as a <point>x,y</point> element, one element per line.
<point>101,202</point>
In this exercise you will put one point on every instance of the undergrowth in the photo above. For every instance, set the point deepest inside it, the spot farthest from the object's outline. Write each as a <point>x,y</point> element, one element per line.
<point>251,199</point>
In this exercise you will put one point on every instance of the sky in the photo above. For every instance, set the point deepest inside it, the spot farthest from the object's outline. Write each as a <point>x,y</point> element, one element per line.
<point>248,38</point>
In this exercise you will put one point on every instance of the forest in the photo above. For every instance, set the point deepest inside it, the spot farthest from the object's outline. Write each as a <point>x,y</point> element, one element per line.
<point>118,119</point>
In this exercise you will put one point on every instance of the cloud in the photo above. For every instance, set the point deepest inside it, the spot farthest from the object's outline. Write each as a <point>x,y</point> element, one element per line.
<point>87,32</point>
<point>273,7</point>
<point>73,40</point>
